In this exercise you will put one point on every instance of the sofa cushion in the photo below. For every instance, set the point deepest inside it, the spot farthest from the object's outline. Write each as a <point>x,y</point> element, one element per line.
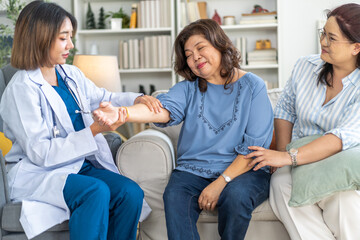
<point>318,180</point>
<point>10,219</point>
<point>262,213</point>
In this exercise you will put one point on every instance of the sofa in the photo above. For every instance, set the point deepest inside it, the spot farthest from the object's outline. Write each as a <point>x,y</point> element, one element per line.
<point>11,228</point>
<point>149,158</point>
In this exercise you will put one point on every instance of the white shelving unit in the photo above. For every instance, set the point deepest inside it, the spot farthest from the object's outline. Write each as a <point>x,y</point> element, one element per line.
<point>107,42</point>
<point>269,73</point>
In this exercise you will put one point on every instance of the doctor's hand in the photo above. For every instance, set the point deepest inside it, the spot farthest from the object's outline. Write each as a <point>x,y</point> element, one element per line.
<point>108,120</point>
<point>266,157</point>
<point>106,114</point>
<point>152,103</point>
<point>210,195</point>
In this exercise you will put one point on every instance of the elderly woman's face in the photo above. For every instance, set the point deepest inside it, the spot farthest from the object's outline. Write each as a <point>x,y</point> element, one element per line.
<point>60,48</point>
<point>203,58</point>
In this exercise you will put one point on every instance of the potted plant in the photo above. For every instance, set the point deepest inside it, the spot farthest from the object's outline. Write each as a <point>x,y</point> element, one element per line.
<point>119,19</point>
<point>11,10</point>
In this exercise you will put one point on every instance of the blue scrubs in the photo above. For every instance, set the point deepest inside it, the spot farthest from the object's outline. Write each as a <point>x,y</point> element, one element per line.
<point>103,204</point>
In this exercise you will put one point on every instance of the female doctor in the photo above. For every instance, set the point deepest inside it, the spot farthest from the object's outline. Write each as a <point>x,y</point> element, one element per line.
<point>63,168</point>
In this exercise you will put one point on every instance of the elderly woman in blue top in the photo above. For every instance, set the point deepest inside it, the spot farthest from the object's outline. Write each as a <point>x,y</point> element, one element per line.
<point>322,96</point>
<point>224,110</point>
<point>63,168</point>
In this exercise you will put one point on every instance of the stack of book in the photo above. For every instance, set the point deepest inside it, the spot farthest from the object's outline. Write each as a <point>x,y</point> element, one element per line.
<point>258,18</point>
<point>153,14</point>
<point>192,11</point>
<point>149,52</point>
<point>262,57</point>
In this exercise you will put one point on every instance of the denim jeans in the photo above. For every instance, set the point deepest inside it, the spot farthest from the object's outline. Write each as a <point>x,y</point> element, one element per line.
<point>236,203</point>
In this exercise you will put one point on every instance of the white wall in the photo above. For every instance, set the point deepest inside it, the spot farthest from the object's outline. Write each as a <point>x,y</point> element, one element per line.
<point>297,29</point>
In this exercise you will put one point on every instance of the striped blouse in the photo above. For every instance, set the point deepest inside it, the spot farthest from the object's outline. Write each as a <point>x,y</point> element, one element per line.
<point>302,104</point>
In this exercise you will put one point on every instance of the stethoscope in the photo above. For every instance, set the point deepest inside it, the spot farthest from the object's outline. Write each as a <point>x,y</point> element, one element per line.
<point>56,131</point>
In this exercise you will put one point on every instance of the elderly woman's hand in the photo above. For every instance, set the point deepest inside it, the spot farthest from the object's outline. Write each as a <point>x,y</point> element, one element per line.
<point>152,103</point>
<point>210,195</point>
<point>265,157</point>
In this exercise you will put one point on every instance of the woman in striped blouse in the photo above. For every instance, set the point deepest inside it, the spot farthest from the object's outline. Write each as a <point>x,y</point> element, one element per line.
<point>322,96</point>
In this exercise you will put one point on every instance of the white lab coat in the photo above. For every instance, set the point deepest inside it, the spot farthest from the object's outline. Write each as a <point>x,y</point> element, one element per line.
<point>42,161</point>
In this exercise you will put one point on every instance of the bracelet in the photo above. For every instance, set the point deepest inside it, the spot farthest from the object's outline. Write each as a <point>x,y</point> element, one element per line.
<point>127,113</point>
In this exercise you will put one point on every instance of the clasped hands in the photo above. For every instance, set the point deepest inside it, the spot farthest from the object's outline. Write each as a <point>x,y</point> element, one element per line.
<point>266,157</point>
<point>113,117</point>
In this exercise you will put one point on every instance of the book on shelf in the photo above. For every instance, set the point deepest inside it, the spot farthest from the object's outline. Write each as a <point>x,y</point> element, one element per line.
<point>141,53</point>
<point>125,57</point>
<point>261,62</point>
<point>147,14</point>
<point>184,17</point>
<point>121,62</point>
<point>160,48</point>
<point>202,10</point>
<point>140,14</point>
<point>147,48</point>
<point>131,53</point>
<point>262,56</point>
<point>157,14</point>
<point>136,59</point>
<point>241,45</point>
<point>149,52</point>
<point>259,53</point>
<point>154,58</point>
<point>258,18</point>
<point>154,13</point>
<point>192,11</point>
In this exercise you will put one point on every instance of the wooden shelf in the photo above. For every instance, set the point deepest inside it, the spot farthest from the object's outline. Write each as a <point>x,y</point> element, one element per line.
<point>260,66</point>
<point>124,31</point>
<point>258,26</point>
<point>145,70</point>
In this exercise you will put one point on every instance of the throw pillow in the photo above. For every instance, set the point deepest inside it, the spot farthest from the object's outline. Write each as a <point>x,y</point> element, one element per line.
<point>316,181</point>
<point>5,144</point>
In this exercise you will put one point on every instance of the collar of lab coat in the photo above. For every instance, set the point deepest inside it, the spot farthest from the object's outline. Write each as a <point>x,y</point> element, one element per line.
<point>56,103</point>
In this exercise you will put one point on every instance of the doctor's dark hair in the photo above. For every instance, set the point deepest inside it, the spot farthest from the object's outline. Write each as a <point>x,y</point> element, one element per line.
<point>347,17</point>
<point>36,30</point>
<point>230,56</point>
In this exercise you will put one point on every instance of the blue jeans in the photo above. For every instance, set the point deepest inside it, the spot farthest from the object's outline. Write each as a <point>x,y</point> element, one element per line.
<point>236,203</point>
<point>103,204</point>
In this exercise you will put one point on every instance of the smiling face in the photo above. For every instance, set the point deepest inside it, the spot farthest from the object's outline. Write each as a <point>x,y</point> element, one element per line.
<point>62,44</point>
<point>336,49</point>
<point>203,59</point>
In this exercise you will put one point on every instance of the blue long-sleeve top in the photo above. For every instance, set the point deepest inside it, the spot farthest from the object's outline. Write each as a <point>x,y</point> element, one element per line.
<point>218,124</point>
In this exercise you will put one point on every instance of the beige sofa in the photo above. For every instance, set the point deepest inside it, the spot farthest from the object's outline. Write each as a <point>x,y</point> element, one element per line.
<point>148,158</point>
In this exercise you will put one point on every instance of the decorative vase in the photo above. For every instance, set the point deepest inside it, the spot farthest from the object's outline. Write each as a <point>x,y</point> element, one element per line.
<point>216,18</point>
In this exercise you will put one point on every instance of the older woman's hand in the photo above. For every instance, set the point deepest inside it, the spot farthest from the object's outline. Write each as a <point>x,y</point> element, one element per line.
<point>210,195</point>
<point>265,157</point>
<point>152,103</point>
